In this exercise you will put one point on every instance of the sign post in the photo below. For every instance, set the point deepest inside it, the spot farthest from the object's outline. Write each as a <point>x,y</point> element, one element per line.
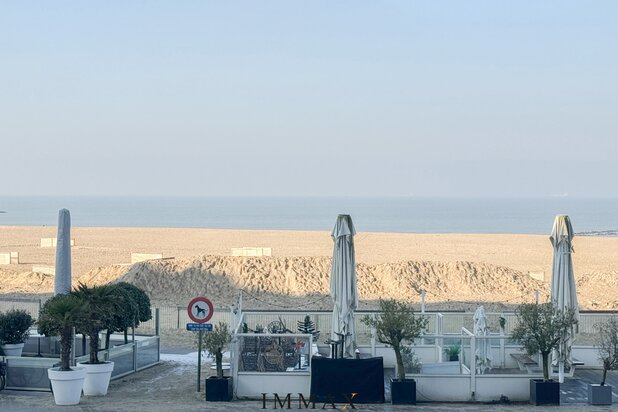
<point>200,311</point>
<point>199,359</point>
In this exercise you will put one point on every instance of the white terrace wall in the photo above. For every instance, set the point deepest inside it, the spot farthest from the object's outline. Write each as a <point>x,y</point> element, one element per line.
<point>141,257</point>
<point>52,242</point>
<point>11,258</point>
<point>251,251</point>
<point>47,270</point>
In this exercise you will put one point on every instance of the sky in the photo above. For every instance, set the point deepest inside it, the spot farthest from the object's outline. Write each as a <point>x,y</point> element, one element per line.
<point>309,98</point>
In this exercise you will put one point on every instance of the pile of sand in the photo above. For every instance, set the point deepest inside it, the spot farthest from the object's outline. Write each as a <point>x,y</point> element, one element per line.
<point>598,290</point>
<point>271,282</point>
<point>25,282</point>
<point>294,282</point>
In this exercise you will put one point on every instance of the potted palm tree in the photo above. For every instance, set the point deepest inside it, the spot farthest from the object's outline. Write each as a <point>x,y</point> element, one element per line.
<point>395,324</point>
<point>58,316</point>
<point>14,331</point>
<point>606,343</point>
<point>100,304</point>
<point>542,328</point>
<point>218,388</point>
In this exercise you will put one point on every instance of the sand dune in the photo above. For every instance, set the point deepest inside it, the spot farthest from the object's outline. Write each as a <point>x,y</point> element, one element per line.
<point>302,280</point>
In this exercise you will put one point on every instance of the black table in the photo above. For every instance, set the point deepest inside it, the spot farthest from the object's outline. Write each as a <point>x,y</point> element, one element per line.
<point>334,379</point>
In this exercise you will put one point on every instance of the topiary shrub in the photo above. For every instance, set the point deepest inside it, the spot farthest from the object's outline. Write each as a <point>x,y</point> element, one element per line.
<point>133,309</point>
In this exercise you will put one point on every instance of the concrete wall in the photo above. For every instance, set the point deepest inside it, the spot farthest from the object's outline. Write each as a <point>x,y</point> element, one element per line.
<point>537,275</point>
<point>251,251</point>
<point>15,258</point>
<point>141,257</point>
<point>48,270</point>
<point>588,355</point>
<point>52,242</point>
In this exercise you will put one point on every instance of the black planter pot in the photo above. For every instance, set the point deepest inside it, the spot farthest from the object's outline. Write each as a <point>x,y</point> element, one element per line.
<point>403,392</point>
<point>453,358</point>
<point>599,395</point>
<point>219,389</point>
<point>544,392</point>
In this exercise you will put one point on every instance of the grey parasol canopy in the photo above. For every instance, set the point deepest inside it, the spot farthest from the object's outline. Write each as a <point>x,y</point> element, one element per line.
<point>343,284</point>
<point>62,279</point>
<point>483,346</point>
<point>563,293</point>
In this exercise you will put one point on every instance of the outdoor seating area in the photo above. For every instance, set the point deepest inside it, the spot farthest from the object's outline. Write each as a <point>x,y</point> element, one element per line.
<point>509,374</point>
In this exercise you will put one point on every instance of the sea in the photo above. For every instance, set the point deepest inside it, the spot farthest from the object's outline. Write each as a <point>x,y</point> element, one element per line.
<point>370,214</point>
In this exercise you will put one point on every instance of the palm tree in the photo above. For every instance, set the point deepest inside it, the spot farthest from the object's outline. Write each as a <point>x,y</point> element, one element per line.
<point>58,316</point>
<point>100,304</point>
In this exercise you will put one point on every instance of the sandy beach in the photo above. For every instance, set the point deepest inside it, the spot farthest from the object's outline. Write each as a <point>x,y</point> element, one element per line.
<point>451,267</point>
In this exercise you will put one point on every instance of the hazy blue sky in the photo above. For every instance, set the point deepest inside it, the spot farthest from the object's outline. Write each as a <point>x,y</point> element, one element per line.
<point>427,98</point>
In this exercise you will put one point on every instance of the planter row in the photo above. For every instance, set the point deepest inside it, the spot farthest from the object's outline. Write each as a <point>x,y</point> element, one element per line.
<point>92,379</point>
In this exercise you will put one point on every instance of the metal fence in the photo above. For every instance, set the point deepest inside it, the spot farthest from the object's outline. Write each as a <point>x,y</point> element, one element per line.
<point>32,306</point>
<point>175,318</point>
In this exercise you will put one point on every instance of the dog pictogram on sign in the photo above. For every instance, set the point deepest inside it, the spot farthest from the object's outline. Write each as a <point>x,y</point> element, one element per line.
<point>200,310</point>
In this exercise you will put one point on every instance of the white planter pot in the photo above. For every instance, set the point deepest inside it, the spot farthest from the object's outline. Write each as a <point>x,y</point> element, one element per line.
<point>97,378</point>
<point>67,385</point>
<point>12,349</point>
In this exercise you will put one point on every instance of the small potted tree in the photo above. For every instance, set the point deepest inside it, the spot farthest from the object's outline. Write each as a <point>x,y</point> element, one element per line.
<point>606,343</point>
<point>542,328</point>
<point>100,304</point>
<point>218,388</point>
<point>395,324</point>
<point>58,316</point>
<point>14,331</point>
<point>411,362</point>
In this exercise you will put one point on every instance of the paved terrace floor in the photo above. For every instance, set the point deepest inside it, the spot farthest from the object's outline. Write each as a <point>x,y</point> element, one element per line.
<point>171,386</point>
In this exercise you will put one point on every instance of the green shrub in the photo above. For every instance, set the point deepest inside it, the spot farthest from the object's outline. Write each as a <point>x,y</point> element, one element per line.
<point>15,326</point>
<point>411,362</point>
